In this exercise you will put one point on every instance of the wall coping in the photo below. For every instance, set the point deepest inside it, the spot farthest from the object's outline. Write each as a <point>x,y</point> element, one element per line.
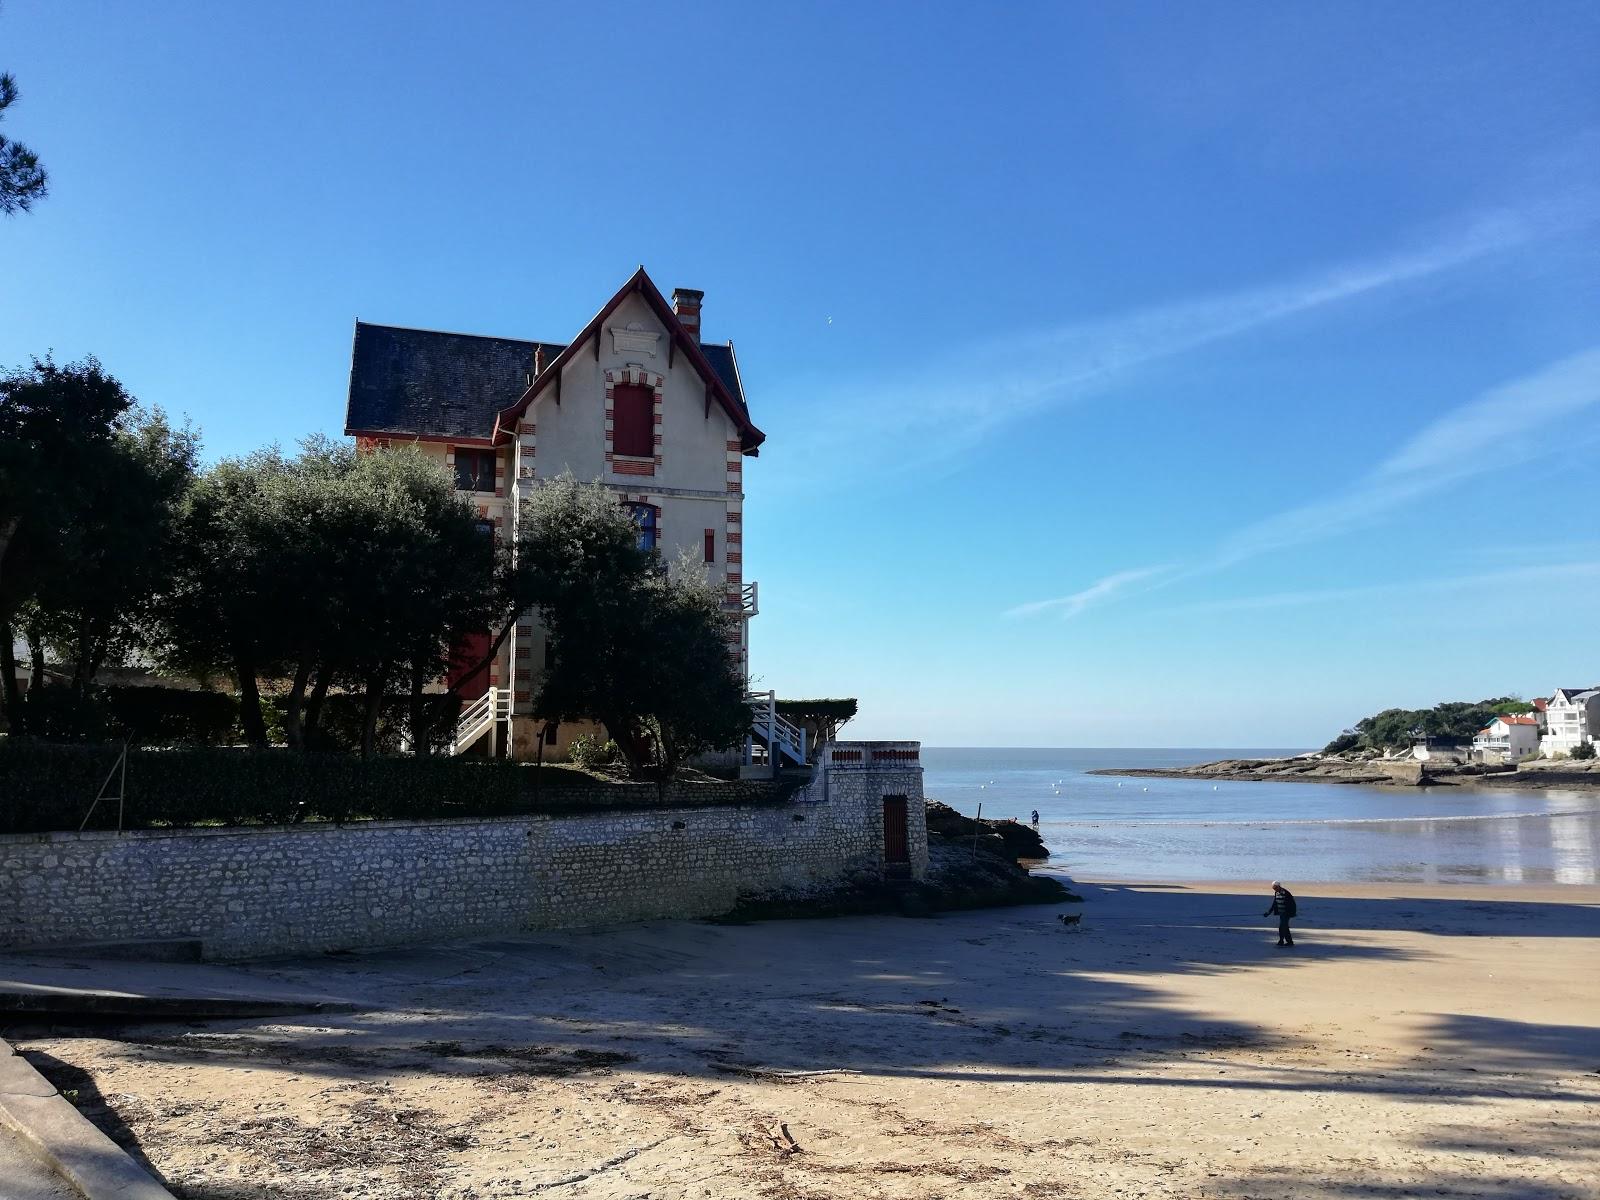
<point>90,836</point>
<point>872,756</point>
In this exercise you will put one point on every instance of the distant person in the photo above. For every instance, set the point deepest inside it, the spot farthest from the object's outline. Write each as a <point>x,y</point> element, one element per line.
<point>1036,816</point>
<point>1284,906</point>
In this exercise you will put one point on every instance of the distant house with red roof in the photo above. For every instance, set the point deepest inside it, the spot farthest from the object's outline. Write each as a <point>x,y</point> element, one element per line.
<point>1507,740</point>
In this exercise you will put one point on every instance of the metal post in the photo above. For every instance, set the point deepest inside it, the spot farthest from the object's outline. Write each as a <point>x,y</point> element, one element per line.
<point>975,831</point>
<point>772,732</point>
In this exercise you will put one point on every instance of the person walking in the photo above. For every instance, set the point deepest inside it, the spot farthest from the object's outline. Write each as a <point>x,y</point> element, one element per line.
<point>1284,906</point>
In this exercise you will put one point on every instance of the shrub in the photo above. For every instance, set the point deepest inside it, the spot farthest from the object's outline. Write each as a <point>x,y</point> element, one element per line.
<point>1583,750</point>
<point>60,715</point>
<point>160,716</point>
<point>588,751</point>
<point>339,727</point>
<point>51,787</point>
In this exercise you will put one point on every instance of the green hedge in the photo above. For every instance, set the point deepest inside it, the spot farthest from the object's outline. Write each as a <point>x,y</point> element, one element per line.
<point>164,716</point>
<point>46,786</point>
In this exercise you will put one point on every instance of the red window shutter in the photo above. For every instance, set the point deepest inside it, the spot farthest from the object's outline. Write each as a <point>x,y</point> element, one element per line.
<point>711,545</point>
<point>633,423</point>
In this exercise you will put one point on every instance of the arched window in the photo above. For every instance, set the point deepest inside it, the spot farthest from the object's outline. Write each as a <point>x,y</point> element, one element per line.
<point>648,518</point>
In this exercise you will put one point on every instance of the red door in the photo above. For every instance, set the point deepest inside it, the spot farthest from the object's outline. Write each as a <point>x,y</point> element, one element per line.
<point>895,843</point>
<point>468,652</point>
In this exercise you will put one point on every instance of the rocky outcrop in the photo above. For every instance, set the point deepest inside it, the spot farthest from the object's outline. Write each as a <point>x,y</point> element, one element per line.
<point>1011,838</point>
<point>1370,768</point>
<point>971,864</point>
<point>1322,768</point>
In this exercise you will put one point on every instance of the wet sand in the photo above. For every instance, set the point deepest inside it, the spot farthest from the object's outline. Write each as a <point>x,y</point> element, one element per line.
<point>1418,1040</point>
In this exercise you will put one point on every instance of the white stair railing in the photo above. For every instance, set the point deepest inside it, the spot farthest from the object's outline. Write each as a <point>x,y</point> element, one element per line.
<point>781,735</point>
<point>482,715</point>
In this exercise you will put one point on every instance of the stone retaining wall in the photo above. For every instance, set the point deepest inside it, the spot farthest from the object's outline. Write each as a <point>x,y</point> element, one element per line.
<point>255,891</point>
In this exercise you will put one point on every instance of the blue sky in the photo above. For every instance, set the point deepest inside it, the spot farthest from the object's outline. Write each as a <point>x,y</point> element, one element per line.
<point>1137,374</point>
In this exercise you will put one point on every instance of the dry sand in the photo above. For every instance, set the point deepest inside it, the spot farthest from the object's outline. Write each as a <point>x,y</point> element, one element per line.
<point>1419,1041</point>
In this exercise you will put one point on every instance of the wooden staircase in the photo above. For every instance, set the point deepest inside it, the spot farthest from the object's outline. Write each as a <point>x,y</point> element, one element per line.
<point>782,743</point>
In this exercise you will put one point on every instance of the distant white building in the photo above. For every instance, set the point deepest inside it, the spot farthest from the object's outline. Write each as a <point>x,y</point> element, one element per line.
<point>1572,718</point>
<point>1507,740</point>
<point>1440,749</point>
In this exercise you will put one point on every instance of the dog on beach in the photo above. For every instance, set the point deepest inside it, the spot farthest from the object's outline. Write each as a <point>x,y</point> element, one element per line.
<point>1069,919</point>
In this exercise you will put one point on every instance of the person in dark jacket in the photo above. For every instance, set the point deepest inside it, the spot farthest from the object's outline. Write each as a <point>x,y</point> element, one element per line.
<point>1284,906</point>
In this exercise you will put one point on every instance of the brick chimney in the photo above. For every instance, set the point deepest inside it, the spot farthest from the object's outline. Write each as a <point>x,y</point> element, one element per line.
<point>686,303</point>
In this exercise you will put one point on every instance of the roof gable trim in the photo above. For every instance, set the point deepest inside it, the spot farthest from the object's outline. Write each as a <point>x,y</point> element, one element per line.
<point>749,436</point>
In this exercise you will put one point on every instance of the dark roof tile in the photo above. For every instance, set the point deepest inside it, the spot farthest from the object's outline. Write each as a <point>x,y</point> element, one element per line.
<point>424,383</point>
<point>430,384</point>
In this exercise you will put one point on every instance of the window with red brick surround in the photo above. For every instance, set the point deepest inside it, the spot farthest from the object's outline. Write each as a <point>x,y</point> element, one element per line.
<point>634,422</point>
<point>711,545</point>
<point>474,469</point>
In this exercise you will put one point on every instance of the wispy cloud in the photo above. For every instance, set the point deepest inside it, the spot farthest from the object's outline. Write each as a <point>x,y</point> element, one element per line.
<point>957,400</point>
<point>1514,423</point>
<point>1505,426</point>
<point>1517,578</point>
<point>1098,592</point>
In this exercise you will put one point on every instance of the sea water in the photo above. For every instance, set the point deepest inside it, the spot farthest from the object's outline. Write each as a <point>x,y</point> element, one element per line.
<point>1111,827</point>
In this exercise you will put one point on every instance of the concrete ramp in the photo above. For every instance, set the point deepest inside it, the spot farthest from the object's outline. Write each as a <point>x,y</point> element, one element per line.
<point>59,986</point>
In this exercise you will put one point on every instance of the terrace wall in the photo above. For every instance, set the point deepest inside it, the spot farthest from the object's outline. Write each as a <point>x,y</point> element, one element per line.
<point>253,891</point>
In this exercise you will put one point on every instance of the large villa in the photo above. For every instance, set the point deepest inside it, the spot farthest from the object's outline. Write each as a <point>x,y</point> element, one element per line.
<point>637,399</point>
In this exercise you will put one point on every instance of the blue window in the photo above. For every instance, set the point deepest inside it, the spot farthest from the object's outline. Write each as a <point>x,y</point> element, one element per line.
<point>648,518</point>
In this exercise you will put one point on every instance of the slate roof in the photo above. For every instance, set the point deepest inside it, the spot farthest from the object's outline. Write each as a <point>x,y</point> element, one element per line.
<point>424,383</point>
<point>1572,695</point>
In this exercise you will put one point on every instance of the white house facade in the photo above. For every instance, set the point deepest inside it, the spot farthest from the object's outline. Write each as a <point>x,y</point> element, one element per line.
<point>636,400</point>
<point>1572,719</point>
<point>1507,740</point>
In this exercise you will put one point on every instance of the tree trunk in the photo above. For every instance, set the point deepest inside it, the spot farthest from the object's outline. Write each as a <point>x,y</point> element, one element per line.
<point>255,725</point>
<point>421,724</point>
<point>8,678</point>
<point>82,659</point>
<point>369,720</point>
<point>319,693</point>
<point>36,661</point>
<point>8,529</point>
<point>294,707</point>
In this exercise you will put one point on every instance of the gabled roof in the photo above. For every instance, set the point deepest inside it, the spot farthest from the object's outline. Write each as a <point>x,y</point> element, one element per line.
<point>722,382</point>
<point>430,384</point>
<point>1569,695</point>
<point>1518,720</point>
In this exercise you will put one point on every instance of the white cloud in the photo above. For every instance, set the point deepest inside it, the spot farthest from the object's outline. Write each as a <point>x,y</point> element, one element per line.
<point>1504,426</point>
<point>1518,578</point>
<point>990,385</point>
<point>1513,423</point>
<point>1098,592</point>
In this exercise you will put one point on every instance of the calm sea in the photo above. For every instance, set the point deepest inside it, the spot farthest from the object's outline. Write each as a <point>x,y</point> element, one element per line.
<point>1103,827</point>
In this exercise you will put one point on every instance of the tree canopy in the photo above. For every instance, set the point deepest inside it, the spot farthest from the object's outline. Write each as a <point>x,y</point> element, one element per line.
<point>1394,728</point>
<point>641,648</point>
<point>90,490</point>
<point>22,179</point>
<point>327,567</point>
<point>329,571</point>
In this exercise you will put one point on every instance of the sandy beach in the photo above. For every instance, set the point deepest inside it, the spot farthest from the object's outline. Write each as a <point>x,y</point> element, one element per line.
<point>1418,1041</point>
